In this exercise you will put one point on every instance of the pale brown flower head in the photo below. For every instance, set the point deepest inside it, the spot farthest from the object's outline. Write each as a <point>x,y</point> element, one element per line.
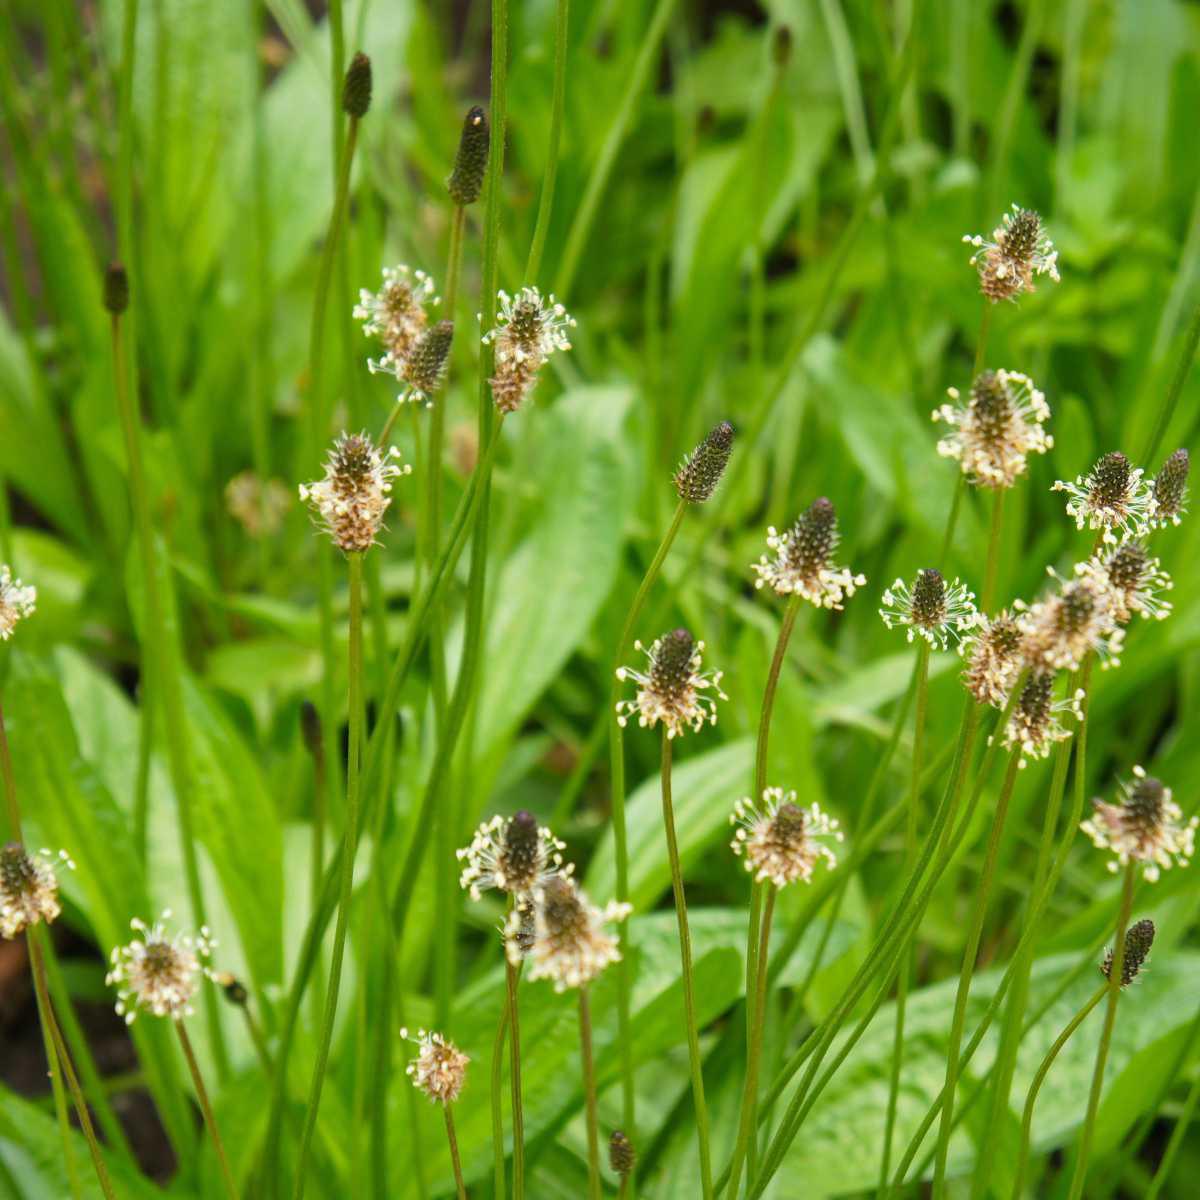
<point>780,841</point>
<point>993,434</point>
<point>1112,497</point>
<point>514,855</point>
<point>1139,937</point>
<point>571,943</point>
<point>994,653</point>
<point>440,1068</point>
<point>528,330</point>
<point>673,688</point>
<point>258,506</point>
<point>1134,580</point>
<point>1169,491</point>
<point>803,564</point>
<point>931,609</point>
<point>396,315</point>
<point>1018,250</point>
<point>159,972</point>
<point>1064,627</point>
<point>355,492</point>
<point>1145,826</point>
<point>16,602</point>
<point>29,887</point>
<point>1034,725</point>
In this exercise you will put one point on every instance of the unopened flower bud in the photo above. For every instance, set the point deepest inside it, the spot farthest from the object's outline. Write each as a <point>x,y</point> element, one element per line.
<point>1139,937</point>
<point>1169,493</point>
<point>701,471</point>
<point>116,289</point>
<point>470,163</point>
<point>356,91</point>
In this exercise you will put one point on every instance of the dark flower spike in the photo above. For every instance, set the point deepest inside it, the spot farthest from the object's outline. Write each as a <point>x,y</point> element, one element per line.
<point>803,563</point>
<point>1138,939</point>
<point>116,289</point>
<point>1168,495</point>
<point>356,90</point>
<point>673,689</point>
<point>515,855</point>
<point>701,471</point>
<point>931,609</point>
<point>425,367</point>
<point>310,730</point>
<point>1034,725</point>
<point>1112,497</point>
<point>621,1155</point>
<point>470,163</point>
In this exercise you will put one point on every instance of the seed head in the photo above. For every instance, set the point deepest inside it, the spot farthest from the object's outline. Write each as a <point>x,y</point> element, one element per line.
<point>993,434</point>
<point>571,944</point>
<point>803,563</point>
<point>1139,937</point>
<point>355,492</point>
<point>158,973</point>
<point>16,602</point>
<point>1134,581</point>
<point>1145,826</point>
<point>29,887</point>
<point>513,855</point>
<point>671,690</point>
<point>621,1156</point>
<point>528,330</point>
<point>779,840</point>
<point>440,1068</point>
<point>994,651</point>
<point>396,316</point>
<point>1111,497</point>
<point>356,90</point>
<point>470,163</point>
<point>701,471</point>
<point>1034,725</point>
<point>425,368</point>
<point>1079,619</point>
<point>1019,249</point>
<point>116,289</point>
<point>1168,494</point>
<point>930,609</point>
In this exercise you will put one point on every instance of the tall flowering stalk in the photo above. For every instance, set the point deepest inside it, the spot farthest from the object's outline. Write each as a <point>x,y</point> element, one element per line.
<point>695,482</point>
<point>674,692</point>
<point>439,1072</point>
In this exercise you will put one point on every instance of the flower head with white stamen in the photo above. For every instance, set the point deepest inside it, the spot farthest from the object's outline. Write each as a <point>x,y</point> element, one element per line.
<point>1034,724</point>
<point>440,1068</point>
<point>514,855</point>
<point>673,689</point>
<point>159,972</point>
<point>1111,497</point>
<point>29,887</point>
<point>571,942</point>
<point>396,315</point>
<point>1018,250</point>
<point>780,841</point>
<point>803,563</point>
<point>931,609</point>
<point>528,329</point>
<point>16,602</point>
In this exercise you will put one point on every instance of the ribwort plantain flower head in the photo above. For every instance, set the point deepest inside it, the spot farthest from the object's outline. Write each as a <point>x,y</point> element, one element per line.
<point>1079,619</point>
<point>1169,491</point>
<point>1112,497</point>
<point>425,368</point>
<point>356,87</point>
<point>571,941</point>
<point>673,689</point>
<point>1139,937</point>
<point>803,563</point>
<point>29,887</point>
<point>994,654</point>
<point>701,471</point>
<point>258,505</point>
<point>356,491</point>
<point>116,289</point>
<point>470,163</point>
<point>515,855</point>
<point>1145,826</point>
<point>780,841</point>
<point>930,609</point>
<point>528,330</point>
<point>1018,250</point>
<point>16,602</point>
<point>1135,581</point>
<point>995,431</point>
<point>440,1068</point>
<point>1034,724</point>
<point>621,1156</point>
<point>159,972</point>
<point>396,315</point>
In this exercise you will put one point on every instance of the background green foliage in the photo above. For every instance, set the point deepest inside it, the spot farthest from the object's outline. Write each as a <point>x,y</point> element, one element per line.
<point>710,285</point>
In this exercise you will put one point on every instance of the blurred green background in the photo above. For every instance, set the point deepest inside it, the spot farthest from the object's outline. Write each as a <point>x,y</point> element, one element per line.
<point>741,234</point>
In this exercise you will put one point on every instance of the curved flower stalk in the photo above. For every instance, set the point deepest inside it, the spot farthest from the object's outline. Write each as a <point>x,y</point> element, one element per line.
<point>803,563</point>
<point>1018,250</point>
<point>993,434</point>
<point>439,1072</point>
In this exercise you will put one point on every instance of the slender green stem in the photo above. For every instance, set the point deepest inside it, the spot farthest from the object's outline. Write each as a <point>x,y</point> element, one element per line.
<point>1038,1079</point>
<point>206,1108</point>
<point>616,746</point>
<point>983,895</point>
<point>349,848</point>
<point>1172,394</point>
<point>11,806</point>
<point>589,1094</point>
<point>985,325</point>
<point>1079,1175</point>
<point>317,850</point>
<point>685,955</point>
<point>910,857</point>
<point>748,1121</point>
<point>452,1141</point>
<point>500,1184</point>
<point>993,554</point>
<point>546,203</point>
<point>512,977</point>
<point>1182,1124</point>
<point>166,670</point>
